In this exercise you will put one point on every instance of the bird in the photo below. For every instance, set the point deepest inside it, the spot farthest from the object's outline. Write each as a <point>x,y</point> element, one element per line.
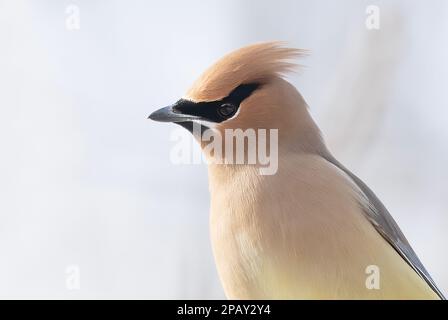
<point>312,229</point>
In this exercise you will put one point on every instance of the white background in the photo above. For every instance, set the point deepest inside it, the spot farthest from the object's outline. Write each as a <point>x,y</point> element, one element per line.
<point>86,180</point>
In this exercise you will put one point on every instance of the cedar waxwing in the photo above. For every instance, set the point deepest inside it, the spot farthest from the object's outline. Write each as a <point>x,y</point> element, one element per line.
<point>312,229</point>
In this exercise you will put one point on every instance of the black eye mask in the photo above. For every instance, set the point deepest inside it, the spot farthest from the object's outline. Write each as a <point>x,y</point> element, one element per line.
<point>217,111</point>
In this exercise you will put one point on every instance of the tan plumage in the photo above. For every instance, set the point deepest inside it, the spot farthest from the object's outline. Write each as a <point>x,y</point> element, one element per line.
<point>300,234</point>
<point>310,230</point>
<point>258,62</point>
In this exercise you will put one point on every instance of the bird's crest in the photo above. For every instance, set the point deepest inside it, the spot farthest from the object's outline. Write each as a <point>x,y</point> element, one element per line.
<point>255,63</point>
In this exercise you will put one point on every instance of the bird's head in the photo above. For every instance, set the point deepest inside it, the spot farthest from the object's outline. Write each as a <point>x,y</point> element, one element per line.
<point>246,90</point>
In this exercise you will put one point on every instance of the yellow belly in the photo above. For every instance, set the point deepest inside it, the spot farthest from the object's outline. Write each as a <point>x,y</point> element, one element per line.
<point>301,234</point>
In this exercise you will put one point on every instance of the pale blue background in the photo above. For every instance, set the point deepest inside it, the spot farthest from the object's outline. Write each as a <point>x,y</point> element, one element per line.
<point>86,179</point>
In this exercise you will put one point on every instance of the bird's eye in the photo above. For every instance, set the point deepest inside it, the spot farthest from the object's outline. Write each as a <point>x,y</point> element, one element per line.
<point>227,110</point>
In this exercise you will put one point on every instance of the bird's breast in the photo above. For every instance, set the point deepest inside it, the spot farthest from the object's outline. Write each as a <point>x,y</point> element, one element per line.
<point>297,234</point>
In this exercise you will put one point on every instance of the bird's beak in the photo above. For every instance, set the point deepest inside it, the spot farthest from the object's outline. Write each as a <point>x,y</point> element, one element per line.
<point>170,114</point>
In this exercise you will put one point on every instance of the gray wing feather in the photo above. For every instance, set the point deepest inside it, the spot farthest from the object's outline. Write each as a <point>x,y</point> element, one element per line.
<point>388,228</point>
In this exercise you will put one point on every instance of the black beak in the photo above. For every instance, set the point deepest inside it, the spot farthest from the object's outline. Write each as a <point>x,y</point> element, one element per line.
<point>181,113</point>
<point>170,114</point>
